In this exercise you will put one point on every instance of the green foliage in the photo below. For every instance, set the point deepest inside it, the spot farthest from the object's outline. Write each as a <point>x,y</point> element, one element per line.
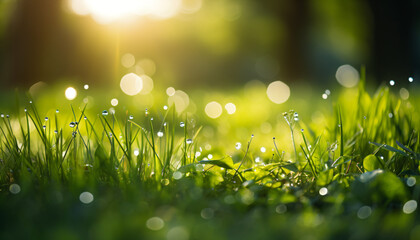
<point>153,166</point>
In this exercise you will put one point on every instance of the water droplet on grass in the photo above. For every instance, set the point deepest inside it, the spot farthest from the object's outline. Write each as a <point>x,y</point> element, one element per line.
<point>177,175</point>
<point>411,181</point>
<point>182,124</point>
<point>131,117</point>
<point>44,127</point>
<point>55,131</point>
<point>390,115</point>
<point>165,182</point>
<point>189,141</point>
<point>392,82</point>
<point>210,156</point>
<point>72,124</point>
<point>160,134</point>
<point>136,152</point>
<point>410,206</point>
<point>165,107</point>
<point>104,113</point>
<point>14,188</point>
<point>146,112</point>
<point>56,111</point>
<point>46,118</point>
<point>25,110</point>
<point>323,191</point>
<point>238,145</point>
<point>410,79</point>
<point>324,96</point>
<point>263,149</point>
<point>86,197</point>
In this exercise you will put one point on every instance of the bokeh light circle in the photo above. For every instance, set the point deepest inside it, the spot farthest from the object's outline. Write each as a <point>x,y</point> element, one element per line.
<point>131,84</point>
<point>278,92</point>
<point>70,93</point>
<point>213,109</point>
<point>347,76</point>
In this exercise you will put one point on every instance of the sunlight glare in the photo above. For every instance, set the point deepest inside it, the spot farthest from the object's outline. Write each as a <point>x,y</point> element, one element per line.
<point>107,11</point>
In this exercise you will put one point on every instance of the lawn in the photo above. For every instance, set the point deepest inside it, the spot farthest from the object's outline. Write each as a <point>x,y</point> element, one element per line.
<point>344,163</point>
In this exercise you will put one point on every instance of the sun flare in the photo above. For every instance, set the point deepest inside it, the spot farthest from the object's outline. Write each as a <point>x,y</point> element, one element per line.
<point>106,11</point>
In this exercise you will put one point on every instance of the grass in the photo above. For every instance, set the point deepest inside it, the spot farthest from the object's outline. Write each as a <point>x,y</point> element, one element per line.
<point>351,172</point>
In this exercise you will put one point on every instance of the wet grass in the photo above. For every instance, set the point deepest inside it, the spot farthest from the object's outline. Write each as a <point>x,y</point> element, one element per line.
<point>349,171</point>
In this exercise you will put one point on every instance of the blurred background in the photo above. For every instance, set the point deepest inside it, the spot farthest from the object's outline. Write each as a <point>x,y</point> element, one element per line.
<point>203,43</point>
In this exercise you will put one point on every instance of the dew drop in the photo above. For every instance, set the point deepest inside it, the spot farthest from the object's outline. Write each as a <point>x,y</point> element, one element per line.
<point>131,117</point>
<point>189,141</point>
<point>46,118</point>
<point>26,110</point>
<point>104,113</point>
<point>86,197</point>
<point>56,111</point>
<point>238,145</point>
<point>410,206</point>
<point>55,131</point>
<point>160,134</point>
<point>44,127</point>
<point>323,191</point>
<point>14,188</point>
<point>324,96</point>
<point>410,79</point>
<point>146,112</point>
<point>165,107</point>
<point>72,124</point>
<point>182,124</point>
<point>411,181</point>
<point>392,82</point>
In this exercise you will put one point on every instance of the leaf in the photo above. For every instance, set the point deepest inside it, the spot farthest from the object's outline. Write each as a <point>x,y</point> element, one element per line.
<point>218,163</point>
<point>389,148</point>
<point>191,166</point>
<point>371,162</point>
<point>325,177</point>
<point>405,148</point>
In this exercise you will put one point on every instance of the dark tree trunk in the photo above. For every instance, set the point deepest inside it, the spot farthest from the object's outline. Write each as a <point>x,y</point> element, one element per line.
<point>392,46</point>
<point>31,37</point>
